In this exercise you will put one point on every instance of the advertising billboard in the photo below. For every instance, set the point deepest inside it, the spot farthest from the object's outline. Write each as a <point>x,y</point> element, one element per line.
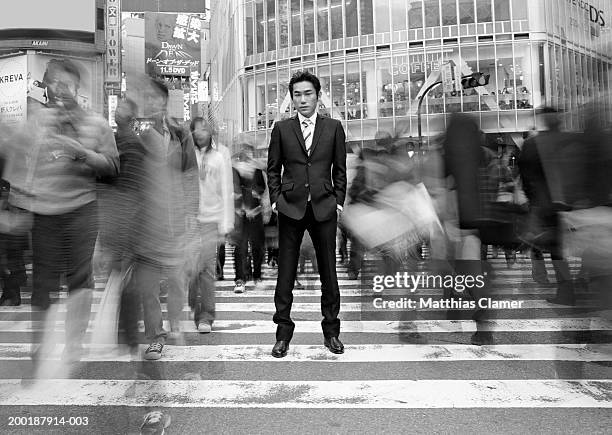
<point>13,85</point>
<point>36,89</point>
<point>172,43</point>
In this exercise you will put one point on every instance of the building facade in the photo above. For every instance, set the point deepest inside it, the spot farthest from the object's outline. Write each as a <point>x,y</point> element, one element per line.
<point>374,57</point>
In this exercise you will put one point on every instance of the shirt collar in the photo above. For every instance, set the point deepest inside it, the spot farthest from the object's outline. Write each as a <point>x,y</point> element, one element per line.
<point>313,118</point>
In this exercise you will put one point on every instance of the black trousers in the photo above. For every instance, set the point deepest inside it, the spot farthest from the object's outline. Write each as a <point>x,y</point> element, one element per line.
<point>252,231</point>
<point>323,235</point>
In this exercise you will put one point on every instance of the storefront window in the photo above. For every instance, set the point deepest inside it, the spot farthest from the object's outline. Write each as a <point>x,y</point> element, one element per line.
<point>415,14</point>
<point>382,23</point>
<point>323,72</point>
<point>272,99</point>
<point>483,11</point>
<point>466,11</point>
<point>502,10</point>
<point>350,11</point>
<point>249,22</point>
<point>385,87</point>
<point>336,19</point>
<point>283,24</point>
<point>296,23</point>
<point>354,97</point>
<point>505,77</point>
<point>308,14</point>
<point>322,18</point>
<point>471,100</point>
<point>486,65</point>
<point>401,85</point>
<point>449,12</point>
<point>271,25</point>
<point>260,100</point>
<point>284,98</point>
<point>368,83</point>
<point>367,17</point>
<point>432,13</point>
<point>338,94</point>
<point>259,25</point>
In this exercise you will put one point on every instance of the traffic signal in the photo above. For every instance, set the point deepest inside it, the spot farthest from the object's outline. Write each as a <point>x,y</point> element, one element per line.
<point>474,80</point>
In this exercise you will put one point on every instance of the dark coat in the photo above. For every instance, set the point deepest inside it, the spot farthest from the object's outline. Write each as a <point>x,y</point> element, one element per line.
<point>322,174</point>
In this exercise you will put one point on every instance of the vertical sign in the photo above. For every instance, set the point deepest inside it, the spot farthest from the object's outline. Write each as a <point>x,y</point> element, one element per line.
<point>112,107</point>
<point>447,77</point>
<point>13,89</point>
<point>113,51</point>
<point>194,76</point>
<point>186,106</point>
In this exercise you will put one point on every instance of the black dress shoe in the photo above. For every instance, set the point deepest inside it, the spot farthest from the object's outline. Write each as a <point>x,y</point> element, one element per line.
<point>334,345</point>
<point>280,349</point>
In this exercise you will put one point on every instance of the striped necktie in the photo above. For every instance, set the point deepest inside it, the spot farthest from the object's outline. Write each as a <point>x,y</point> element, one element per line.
<point>307,133</point>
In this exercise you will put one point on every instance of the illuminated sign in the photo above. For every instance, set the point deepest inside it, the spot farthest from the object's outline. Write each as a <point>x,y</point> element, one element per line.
<point>38,43</point>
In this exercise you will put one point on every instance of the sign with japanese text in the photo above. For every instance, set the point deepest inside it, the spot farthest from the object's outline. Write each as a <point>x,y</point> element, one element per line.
<point>13,89</point>
<point>172,40</point>
<point>113,32</point>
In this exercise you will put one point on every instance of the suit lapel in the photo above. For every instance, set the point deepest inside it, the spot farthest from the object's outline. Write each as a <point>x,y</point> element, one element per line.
<point>317,133</point>
<point>298,132</point>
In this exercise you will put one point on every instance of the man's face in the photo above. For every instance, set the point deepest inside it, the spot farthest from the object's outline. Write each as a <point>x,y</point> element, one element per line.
<point>164,27</point>
<point>62,88</point>
<point>305,98</point>
<point>155,102</point>
<point>201,135</point>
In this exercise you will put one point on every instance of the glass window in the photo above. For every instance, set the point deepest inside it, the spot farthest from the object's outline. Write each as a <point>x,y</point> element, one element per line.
<point>368,83</point>
<point>249,22</point>
<point>338,97</point>
<point>283,93</point>
<point>432,13</point>
<point>336,19</point>
<point>505,77</point>
<point>398,14</point>
<point>350,11</point>
<point>308,14</point>
<point>322,20</point>
<point>272,101</point>
<point>471,100</point>
<point>353,91</point>
<point>523,76</point>
<point>486,65</point>
<point>259,26</point>
<point>323,72</point>
<point>296,23</point>
<point>271,25</point>
<point>401,85</point>
<point>502,10</point>
<point>260,100</point>
<point>283,24</point>
<point>449,12</point>
<point>384,84</point>
<point>415,14</point>
<point>367,17</point>
<point>519,9</point>
<point>483,11</point>
<point>466,11</point>
<point>382,23</point>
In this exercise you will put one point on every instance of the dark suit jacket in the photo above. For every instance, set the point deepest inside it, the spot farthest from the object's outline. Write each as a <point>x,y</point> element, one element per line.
<point>293,174</point>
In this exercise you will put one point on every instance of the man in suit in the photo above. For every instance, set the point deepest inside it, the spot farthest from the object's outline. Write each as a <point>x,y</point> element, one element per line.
<point>307,184</point>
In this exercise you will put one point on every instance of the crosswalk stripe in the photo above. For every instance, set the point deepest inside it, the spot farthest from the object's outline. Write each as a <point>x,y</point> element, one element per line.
<point>399,394</point>
<point>373,326</point>
<point>354,353</point>
<point>304,307</point>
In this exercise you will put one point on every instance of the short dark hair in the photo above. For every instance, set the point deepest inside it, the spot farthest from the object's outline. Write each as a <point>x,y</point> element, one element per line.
<point>207,125</point>
<point>65,65</point>
<point>304,76</point>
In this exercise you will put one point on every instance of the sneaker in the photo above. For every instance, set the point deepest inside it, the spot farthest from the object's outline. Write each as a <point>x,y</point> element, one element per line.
<point>175,328</point>
<point>240,287</point>
<point>204,328</point>
<point>155,423</point>
<point>259,285</point>
<point>298,285</point>
<point>154,351</point>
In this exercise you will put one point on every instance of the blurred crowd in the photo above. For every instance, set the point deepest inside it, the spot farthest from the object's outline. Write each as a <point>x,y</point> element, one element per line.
<point>154,211</point>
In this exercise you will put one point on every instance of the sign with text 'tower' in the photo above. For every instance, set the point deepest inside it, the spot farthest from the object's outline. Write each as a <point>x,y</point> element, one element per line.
<point>113,35</point>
